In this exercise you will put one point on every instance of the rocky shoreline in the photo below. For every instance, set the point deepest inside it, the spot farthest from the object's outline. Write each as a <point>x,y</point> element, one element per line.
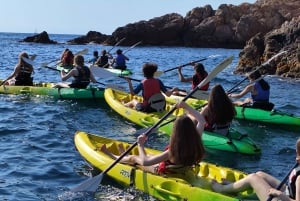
<point>261,30</point>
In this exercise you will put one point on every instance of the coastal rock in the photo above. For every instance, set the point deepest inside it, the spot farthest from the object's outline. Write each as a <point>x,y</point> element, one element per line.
<point>39,38</point>
<point>90,37</point>
<point>262,47</point>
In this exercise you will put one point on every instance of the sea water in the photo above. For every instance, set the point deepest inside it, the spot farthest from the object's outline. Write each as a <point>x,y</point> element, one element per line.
<point>38,159</point>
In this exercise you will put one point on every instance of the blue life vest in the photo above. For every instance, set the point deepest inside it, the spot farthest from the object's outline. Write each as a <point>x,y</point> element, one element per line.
<point>262,95</point>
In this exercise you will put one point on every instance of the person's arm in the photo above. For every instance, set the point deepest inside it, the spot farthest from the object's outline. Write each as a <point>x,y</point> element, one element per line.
<point>196,115</point>
<point>147,160</point>
<point>14,73</point>
<point>130,86</point>
<point>65,76</point>
<point>182,78</point>
<point>164,89</point>
<point>246,90</point>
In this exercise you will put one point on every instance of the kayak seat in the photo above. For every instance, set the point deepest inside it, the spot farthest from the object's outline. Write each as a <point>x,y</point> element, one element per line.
<point>157,102</point>
<point>263,105</point>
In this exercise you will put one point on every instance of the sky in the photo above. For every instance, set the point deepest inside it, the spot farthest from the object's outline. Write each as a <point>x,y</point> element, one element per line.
<point>81,16</point>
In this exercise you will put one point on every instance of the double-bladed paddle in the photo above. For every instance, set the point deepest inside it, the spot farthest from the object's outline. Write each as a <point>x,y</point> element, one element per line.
<point>92,184</point>
<point>159,73</point>
<point>118,43</point>
<point>262,65</point>
<point>133,46</point>
<point>84,51</point>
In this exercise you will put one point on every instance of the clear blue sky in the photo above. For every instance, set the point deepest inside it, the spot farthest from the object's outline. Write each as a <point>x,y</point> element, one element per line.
<point>81,16</point>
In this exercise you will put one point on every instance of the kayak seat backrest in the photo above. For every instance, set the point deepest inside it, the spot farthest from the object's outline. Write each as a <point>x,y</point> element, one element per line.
<point>157,102</point>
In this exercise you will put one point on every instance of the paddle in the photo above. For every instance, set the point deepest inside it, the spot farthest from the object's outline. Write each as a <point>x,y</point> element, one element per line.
<point>168,87</point>
<point>159,73</point>
<point>118,43</point>
<point>283,181</point>
<point>133,46</point>
<point>262,65</point>
<point>92,184</point>
<point>84,51</point>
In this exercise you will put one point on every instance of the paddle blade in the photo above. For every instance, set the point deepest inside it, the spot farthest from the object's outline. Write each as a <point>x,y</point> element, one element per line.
<point>102,72</point>
<point>90,185</point>
<point>84,51</point>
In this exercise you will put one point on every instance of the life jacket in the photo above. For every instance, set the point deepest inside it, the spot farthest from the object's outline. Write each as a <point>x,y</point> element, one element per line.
<point>120,62</point>
<point>103,61</point>
<point>82,80</point>
<point>197,78</point>
<point>151,86</point>
<point>262,95</point>
<point>24,76</point>
<point>292,182</point>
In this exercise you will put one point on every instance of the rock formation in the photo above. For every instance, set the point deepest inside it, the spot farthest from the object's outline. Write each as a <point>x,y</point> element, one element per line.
<point>39,38</point>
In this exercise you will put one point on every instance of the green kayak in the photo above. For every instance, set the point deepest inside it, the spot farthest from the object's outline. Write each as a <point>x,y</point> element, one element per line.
<point>250,114</point>
<point>47,89</point>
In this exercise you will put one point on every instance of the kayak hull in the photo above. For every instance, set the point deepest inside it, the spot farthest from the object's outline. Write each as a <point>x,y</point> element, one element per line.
<point>46,89</point>
<point>234,142</point>
<point>176,186</point>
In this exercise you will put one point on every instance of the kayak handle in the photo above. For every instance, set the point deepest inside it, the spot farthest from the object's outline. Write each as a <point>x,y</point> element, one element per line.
<point>166,188</point>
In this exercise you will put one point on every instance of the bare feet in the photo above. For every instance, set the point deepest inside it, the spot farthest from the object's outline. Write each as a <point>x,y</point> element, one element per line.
<point>217,187</point>
<point>104,149</point>
<point>121,148</point>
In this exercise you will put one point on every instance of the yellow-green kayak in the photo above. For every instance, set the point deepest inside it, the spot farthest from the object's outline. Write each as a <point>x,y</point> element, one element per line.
<point>186,184</point>
<point>233,142</point>
<point>46,89</point>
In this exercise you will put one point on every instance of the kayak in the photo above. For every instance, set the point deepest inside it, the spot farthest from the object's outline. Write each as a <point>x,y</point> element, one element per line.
<point>118,72</point>
<point>234,141</point>
<point>46,89</point>
<point>250,114</point>
<point>182,184</point>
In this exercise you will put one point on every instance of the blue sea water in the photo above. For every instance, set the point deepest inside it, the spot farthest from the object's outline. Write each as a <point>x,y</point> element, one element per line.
<point>38,158</point>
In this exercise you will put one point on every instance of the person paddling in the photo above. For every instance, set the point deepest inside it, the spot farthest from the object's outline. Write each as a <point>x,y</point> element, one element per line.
<point>150,87</point>
<point>82,75</point>
<point>260,93</point>
<point>22,74</point>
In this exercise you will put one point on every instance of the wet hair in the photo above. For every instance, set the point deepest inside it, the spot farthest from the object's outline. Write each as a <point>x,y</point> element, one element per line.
<point>149,69</point>
<point>220,108</point>
<point>79,60</point>
<point>256,75</point>
<point>119,51</point>
<point>186,147</point>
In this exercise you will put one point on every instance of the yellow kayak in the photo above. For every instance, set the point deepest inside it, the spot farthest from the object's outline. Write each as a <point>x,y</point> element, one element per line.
<point>233,142</point>
<point>186,184</point>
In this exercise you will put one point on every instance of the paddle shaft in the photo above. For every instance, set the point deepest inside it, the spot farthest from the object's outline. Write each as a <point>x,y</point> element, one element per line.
<point>206,80</point>
<point>168,87</point>
<point>120,41</point>
<point>132,47</point>
<point>283,181</point>
<point>264,64</point>
<point>187,64</point>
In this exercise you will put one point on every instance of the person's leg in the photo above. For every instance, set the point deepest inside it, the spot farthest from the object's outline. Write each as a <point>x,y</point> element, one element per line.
<point>259,185</point>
